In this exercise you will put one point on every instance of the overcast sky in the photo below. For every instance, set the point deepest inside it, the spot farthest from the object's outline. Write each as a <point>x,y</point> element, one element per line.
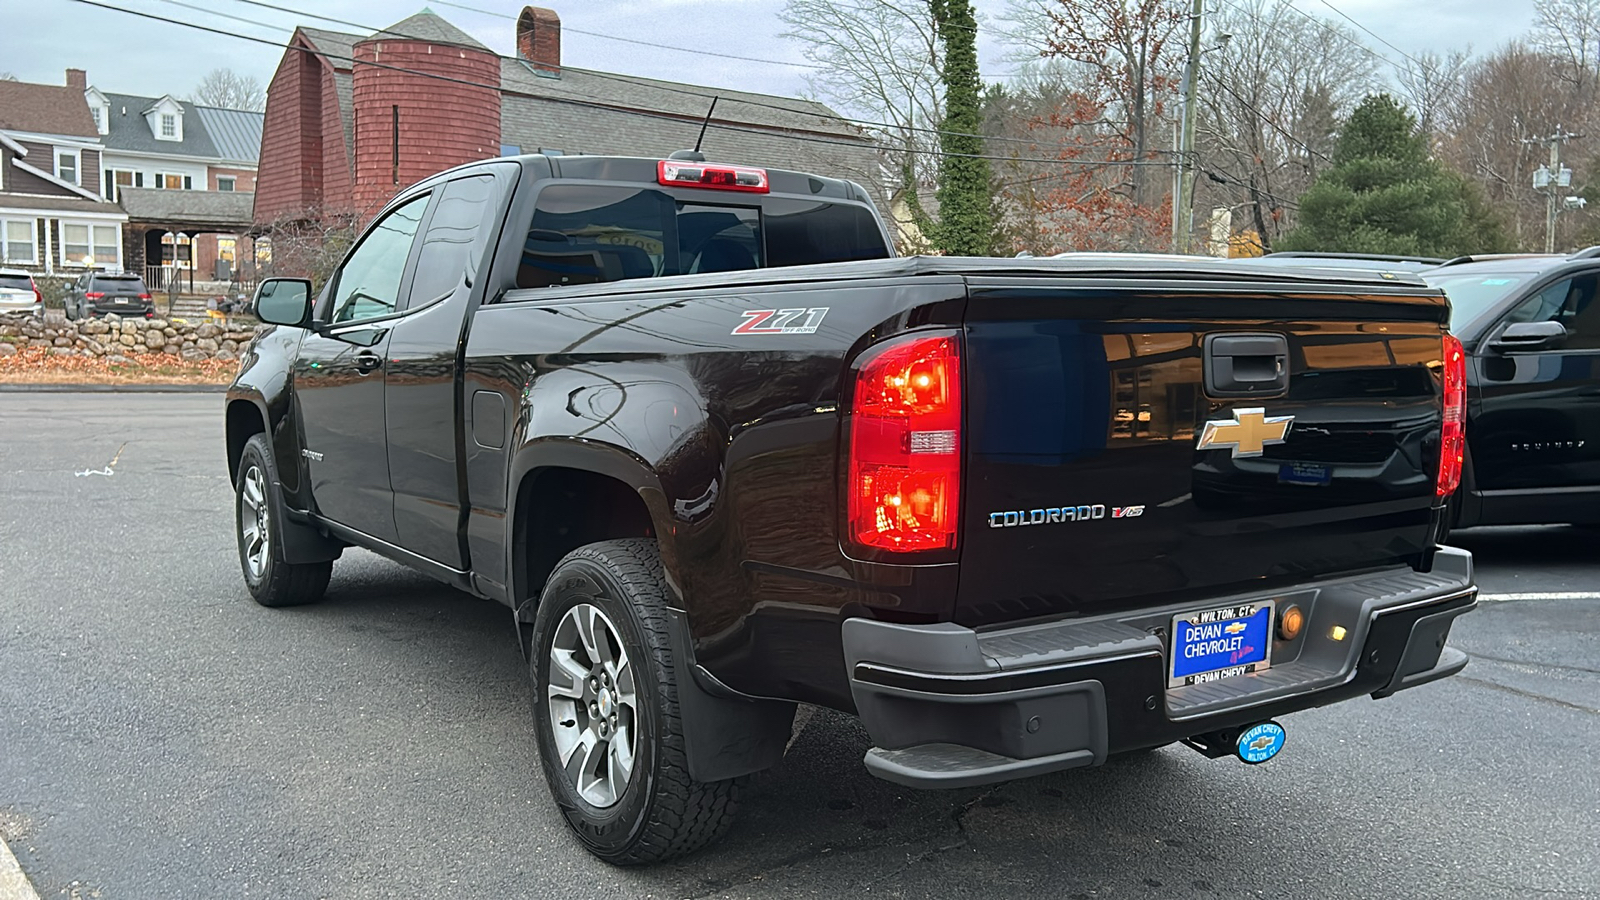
<point>126,54</point>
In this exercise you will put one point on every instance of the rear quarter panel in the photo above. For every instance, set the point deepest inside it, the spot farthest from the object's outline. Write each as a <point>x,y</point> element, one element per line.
<point>735,441</point>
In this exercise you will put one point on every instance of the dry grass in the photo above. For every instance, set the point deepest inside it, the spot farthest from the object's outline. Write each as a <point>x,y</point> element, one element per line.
<point>36,366</point>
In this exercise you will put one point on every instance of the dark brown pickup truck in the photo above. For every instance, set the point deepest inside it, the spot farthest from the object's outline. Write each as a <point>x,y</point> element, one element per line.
<point>720,453</point>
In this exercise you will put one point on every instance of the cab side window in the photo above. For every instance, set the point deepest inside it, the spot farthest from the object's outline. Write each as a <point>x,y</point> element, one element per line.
<point>369,284</point>
<point>456,235</point>
<point>1570,301</point>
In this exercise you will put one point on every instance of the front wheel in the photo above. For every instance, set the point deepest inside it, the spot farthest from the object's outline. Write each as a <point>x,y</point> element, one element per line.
<point>272,581</point>
<point>606,710</point>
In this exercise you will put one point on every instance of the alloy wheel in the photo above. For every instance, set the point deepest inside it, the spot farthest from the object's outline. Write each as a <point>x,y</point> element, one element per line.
<point>254,520</point>
<point>593,705</point>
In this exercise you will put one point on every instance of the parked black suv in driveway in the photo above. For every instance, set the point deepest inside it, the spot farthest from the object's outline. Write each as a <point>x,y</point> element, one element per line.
<point>1531,328</point>
<point>98,293</point>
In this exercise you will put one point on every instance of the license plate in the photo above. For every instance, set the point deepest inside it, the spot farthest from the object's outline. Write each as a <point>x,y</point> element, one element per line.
<point>1220,643</point>
<point>1304,473</point>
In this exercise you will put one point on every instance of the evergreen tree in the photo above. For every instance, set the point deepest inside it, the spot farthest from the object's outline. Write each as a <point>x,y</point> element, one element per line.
<point>1383,193</point>
<point>966,225</point>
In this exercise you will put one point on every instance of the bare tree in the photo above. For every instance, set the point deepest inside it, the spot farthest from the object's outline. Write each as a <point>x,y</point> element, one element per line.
<point>880,62</point>
<point>1568,30</point>
<point>1429,81</point>
<point>1270,101</point>
<point>7,76</point>
<point>228,89</point>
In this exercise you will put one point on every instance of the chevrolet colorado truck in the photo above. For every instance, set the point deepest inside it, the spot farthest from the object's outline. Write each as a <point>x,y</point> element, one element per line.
<point>719,452</point>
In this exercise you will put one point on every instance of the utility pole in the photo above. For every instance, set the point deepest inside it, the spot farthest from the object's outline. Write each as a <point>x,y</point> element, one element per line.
<point>1183,204</point>
<point>1551,180</point>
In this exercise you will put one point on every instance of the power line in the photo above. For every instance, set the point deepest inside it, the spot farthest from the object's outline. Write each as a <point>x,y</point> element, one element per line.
<point>676,89</point>
<point>613,37</point>
<point>723,126</point>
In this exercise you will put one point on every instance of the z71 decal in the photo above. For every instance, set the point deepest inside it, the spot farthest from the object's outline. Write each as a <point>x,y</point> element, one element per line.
<point>781,321</point>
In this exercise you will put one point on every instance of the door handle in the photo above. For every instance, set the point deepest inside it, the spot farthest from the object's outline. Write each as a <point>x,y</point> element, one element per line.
<point>367,362</point>
<point>1246,365</point>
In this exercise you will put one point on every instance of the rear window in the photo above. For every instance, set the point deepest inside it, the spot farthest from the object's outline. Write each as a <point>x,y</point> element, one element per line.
<point>585,234</point>
<point>120,283</point>
<point>16,282</point>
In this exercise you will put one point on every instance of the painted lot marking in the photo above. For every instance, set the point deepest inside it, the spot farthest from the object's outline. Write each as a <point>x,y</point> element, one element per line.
<point>13,884</point>
<point>1550,595</point>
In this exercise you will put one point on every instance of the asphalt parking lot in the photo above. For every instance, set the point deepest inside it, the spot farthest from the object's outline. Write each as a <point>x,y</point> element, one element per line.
<point>163,736</point>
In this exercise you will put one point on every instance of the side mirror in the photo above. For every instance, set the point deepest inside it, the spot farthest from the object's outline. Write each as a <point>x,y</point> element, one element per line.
<point>284,301</point>
<point>1531,336</point>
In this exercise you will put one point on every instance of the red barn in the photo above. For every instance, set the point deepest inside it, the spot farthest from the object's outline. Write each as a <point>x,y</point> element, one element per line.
<point>351,119</point>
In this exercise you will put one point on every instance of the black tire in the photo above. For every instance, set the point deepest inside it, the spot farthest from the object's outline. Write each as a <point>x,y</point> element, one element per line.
<point>661,812</point>
<point>271,580</point>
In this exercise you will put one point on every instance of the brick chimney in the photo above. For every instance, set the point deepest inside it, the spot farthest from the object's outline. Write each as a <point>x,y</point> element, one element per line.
<point>539,38</point>
<point>78,79</point>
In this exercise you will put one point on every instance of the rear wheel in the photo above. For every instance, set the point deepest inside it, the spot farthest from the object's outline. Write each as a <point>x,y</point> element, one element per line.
<point>606,710</point>
<point>271,580</point>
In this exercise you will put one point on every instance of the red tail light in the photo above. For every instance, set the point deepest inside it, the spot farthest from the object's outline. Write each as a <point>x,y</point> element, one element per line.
<point>724,178</point>
<point>905,453</point>
<point>94,295</point>
<point>37,296</point>
<point>1453,439</point>
<point>144,296</point>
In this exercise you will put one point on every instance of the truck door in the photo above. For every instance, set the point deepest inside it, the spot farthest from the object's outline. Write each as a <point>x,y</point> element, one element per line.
<point>339,381</point>
<point>1539,424</point>
<point>422,396</point>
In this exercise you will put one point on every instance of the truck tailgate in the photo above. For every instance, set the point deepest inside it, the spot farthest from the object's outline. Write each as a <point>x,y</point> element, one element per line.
<point>1085,489</point>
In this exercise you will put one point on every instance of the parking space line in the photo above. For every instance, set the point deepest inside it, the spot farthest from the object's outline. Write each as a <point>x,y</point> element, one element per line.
<point>13,884</point>
<point>1547,595</point>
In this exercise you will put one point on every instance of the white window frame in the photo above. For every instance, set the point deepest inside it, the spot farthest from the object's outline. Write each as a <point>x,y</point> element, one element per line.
<point>136,180</point>
<point>166,120</point>
<point>232,180</point>
<point>77,165</point>
<point>116,238</point>
<point>33,240</point>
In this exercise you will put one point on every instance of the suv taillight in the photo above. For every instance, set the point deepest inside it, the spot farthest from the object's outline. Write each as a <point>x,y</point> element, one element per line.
<point>905,449</point>
<point>93,295</point>
<point>144,296</point>
<point>1453,438</point>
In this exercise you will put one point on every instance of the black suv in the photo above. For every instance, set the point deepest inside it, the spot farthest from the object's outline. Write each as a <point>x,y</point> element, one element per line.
<point>1531,329</point>
<point>98,293</point>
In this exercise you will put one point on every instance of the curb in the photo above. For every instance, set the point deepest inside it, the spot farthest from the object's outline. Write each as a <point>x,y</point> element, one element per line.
<point>112,388</point>
<point>14,884</point>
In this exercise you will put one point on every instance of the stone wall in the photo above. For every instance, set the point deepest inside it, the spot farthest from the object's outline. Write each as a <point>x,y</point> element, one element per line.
<point>113,337</point>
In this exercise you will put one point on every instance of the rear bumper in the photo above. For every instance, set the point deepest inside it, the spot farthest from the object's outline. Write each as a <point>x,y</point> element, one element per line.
<point>947,706</point>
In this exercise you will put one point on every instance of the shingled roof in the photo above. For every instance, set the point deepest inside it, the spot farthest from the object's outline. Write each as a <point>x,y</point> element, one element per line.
<point>130,132</point>
<point>45,109</point>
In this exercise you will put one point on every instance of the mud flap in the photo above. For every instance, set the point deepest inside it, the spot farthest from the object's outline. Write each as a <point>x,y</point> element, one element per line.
<point>725,735</point>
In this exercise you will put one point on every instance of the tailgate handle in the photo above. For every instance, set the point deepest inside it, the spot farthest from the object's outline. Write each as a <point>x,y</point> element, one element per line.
<point>1246,365</point>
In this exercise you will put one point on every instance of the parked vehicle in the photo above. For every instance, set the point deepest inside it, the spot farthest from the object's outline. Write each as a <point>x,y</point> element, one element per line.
<point>1531,329</point>
<point>19,293</point>
<point>720,453</point>
<point>1377,262</point>
<point>99,293</point>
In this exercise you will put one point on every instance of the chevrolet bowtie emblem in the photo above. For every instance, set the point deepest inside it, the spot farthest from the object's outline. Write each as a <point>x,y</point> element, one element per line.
<point>1248,432</point>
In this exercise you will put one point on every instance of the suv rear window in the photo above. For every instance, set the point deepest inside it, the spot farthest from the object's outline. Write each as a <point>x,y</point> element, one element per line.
<point>130,283</point>
<point>16,282</point>
<point>585,234</point>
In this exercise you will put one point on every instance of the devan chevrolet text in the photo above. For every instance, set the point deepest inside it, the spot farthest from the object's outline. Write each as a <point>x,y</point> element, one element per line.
<point>720,453</point>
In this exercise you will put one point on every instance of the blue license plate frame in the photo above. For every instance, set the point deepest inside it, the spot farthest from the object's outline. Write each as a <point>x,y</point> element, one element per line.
<point>1210,644</point>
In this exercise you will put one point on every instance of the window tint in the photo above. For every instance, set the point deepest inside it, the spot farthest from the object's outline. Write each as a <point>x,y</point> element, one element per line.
<point>583,234</point>
<point>719,238</point>
<point>455,237</point>
<point>801,232</point>
<point>119,283</point>
<point>1570,301</point>
<point>16,282</point>
<point>369,283</point>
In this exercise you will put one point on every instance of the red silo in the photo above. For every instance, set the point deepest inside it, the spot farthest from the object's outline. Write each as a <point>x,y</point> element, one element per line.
<point>426,97</point>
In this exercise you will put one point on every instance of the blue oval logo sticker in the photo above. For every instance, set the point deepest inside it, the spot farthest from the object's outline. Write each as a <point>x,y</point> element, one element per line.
<point>1260,743</point>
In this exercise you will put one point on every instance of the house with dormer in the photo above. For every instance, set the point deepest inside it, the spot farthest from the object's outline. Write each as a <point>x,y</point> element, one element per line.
<point>53,216</point>
<point>167,144</point>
